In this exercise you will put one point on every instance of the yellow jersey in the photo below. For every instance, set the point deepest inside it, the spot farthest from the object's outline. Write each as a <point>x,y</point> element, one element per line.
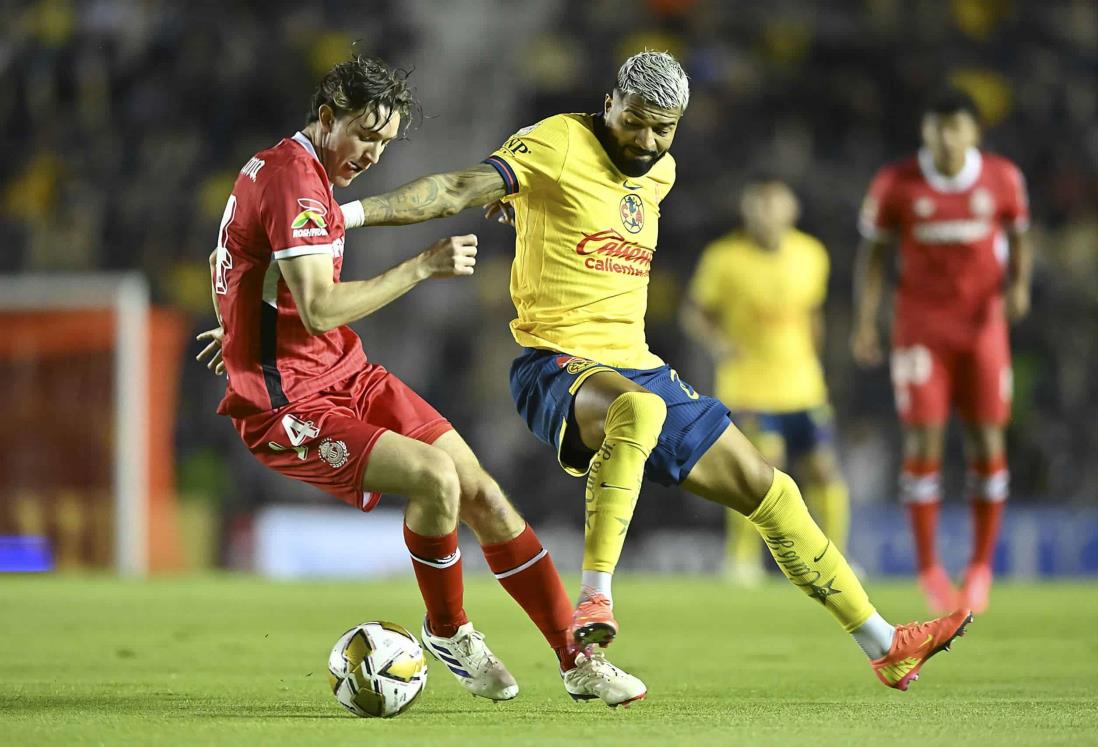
<point>764,301</point>
<point>585,239</point>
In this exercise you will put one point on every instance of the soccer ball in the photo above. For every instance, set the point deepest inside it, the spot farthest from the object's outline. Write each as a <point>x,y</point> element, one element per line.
<point>377,670</point>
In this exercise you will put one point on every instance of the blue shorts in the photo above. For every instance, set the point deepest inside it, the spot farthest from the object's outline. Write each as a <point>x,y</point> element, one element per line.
<point>801,431</point>
<point>544,383</point>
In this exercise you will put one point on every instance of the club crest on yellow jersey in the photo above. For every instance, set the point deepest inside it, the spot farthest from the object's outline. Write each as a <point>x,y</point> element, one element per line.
<point>632,213</point>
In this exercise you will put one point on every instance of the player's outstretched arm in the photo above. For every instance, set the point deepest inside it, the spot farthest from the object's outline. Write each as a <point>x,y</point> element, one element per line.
<point>212,337</point>
<point>703,327</point>
<point>1019,275</point>
<point>869,280</point>
<point>434,196</point>
<point>325,304</point>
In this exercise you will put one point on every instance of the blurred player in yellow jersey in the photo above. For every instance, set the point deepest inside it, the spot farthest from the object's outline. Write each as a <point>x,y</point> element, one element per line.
<point>585,190</point>
<point>755,304</point>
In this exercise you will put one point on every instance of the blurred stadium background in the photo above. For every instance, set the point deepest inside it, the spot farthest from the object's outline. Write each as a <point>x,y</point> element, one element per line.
<point>124,123</point>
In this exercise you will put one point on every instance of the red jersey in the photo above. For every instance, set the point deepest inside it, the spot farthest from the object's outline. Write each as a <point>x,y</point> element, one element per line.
<point>281,207</point>
<point>952,233</point>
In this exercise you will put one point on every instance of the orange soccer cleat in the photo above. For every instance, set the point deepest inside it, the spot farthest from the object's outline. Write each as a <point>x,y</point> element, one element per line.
<point>977,588</point>
<point>940,595</point>
<point>593,621</point>
<point>914,644</point>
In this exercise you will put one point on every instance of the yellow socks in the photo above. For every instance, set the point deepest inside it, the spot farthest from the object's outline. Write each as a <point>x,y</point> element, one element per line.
<point>808,558</point>
<point>633,424</point>
<point>830,503</point>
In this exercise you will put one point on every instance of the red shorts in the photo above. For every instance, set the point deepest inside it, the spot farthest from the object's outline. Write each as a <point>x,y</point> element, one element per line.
<point>325,439</point>
<point>932,373</point>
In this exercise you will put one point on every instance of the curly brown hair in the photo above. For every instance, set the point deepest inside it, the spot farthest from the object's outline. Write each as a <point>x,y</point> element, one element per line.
<point>364,84</point>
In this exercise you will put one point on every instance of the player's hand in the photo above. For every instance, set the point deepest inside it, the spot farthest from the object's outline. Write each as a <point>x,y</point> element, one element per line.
<point>213,350</point>
<point>865,344</point>
<point>1017,301</point>
<point>452,257</point>
<point>501,211</point>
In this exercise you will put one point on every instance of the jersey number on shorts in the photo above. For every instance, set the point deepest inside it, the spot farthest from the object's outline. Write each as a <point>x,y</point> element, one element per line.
<point>910,367</point>
<point>299,432</point>
<point>683,385</point>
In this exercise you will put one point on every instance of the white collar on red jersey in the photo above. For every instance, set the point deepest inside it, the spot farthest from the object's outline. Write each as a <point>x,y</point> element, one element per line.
<point>305,143</point>
<point>961,181</point>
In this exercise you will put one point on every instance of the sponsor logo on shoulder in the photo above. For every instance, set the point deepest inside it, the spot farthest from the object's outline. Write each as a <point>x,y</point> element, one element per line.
<point>515,146</point>
<point>312,212</point>
<point>252,167</point>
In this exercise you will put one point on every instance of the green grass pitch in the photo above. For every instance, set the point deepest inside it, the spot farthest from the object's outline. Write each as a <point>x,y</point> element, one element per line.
<point>231,660</point>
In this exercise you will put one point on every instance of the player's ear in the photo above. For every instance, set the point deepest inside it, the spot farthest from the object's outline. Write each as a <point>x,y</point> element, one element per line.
<point>326,115</point>
<point>607,105</point>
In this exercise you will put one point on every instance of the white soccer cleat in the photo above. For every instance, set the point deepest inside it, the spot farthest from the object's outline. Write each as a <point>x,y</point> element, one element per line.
<point>471,661</point>
<point>595,677</point>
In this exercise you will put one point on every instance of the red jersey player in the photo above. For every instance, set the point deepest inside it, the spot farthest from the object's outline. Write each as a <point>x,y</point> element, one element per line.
<point>960,215</point>
<point>308,404</point>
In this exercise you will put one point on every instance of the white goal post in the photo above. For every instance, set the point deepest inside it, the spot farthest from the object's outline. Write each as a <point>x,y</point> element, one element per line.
<point>127,294</point>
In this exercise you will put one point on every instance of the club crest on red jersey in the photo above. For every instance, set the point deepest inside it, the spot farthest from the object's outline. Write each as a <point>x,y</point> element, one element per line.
<point>924,207</point>
<point>632,213</point>
<point>982,203</point>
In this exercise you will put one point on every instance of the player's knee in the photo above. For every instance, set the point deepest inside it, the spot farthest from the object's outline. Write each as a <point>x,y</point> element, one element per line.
<point>639,415</point>
<point>434,484</point>
<point>756,478</point>
<point>484,507</point>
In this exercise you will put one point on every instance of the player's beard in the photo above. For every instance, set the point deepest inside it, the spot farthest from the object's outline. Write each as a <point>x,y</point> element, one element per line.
<point>626,165</point>
<point>635,166</point>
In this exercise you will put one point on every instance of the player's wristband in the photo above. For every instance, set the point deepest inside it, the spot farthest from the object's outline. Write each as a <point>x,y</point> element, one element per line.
<point>353,214</point>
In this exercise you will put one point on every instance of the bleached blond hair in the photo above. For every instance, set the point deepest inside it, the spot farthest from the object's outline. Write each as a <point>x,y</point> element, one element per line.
<point>657,77</point>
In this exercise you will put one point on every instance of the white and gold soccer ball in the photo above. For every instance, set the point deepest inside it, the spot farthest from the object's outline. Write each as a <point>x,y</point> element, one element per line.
<point>377,670</point>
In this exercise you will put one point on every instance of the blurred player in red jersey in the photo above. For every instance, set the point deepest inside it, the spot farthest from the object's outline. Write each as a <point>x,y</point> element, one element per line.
<point>309,405</point>
<point>960,217</point>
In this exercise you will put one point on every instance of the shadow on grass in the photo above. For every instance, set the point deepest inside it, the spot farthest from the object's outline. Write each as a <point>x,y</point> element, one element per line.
<point>159,705</point>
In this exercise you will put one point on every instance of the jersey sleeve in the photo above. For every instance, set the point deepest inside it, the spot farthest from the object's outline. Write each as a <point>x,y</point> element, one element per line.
<point>879,218</point>
<point>1015,200</point>
<point>532,156</point>
<point>823,270</point>
<point>705,285</point>
<point>293,209</point>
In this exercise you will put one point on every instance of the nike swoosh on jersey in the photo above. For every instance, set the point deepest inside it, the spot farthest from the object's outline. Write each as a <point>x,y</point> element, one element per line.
<point>613,487</point>
<point>817,558</point>
<point>627,185</point>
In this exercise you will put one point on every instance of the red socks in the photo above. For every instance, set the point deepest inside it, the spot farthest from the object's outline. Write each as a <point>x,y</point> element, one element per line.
<point>524,568</point>
<point>988,485</point>
<point>920,486</point>
<point>437,563</point>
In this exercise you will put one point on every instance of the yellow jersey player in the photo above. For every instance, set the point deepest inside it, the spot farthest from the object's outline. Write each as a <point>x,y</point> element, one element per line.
<point>755,304</point>
<point>586,192</point>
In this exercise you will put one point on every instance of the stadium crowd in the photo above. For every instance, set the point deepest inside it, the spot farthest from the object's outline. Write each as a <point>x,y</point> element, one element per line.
<point>124,123</point>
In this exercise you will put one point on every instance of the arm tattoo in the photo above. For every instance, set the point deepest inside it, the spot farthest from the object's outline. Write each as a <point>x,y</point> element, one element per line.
<point>434,196</point>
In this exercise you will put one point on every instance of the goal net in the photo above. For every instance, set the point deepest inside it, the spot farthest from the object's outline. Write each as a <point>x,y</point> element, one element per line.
<point>89,373</point>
